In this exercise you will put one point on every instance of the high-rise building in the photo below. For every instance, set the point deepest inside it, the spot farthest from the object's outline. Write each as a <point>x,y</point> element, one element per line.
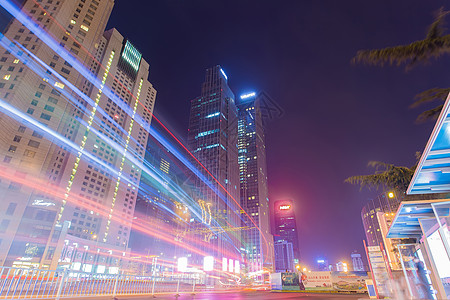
<point>284,258</point>
<point>212,138</point>
<point>258,242</point>
<point>66,203</point>
<point>286,225</point>
<point>342,266</point>
<point>385,203</point>
<point>357,262</point>
<point>322,264</point>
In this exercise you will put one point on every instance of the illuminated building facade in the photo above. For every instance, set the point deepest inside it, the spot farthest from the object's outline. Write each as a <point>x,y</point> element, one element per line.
<point>284,257</point>
<point>384,204</point>
<point>258,244</point>
<point>286,226</point>
<point>75,204</point>
<point>212,138</point>
<point>357,262</point>
<point>158,209</point>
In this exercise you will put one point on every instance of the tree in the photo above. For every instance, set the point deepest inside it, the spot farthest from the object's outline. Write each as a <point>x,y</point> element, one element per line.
<point>435,44</point>
<point>386,176</point>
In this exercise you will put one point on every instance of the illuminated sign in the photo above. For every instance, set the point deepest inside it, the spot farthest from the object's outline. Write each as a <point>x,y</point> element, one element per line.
<point>40,202</point>
<point>223,73</point>
<point>285,207</point>
<point>230,265</point>
<point>131,55</point>
<point>245,96</point>
<point>224,264</point>
<point>182,264</point>
<point>208,263</point>
<point>237,267</point>
<point>320,261</point>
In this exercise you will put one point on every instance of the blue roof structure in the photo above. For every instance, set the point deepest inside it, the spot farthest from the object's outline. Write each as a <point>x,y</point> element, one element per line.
<point>433,171</point>
<point>406,222</point>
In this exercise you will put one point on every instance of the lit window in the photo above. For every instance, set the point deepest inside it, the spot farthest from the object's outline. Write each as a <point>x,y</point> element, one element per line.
<point>73,22</point>
<point>85,28</point>
<point>59,85</point>
<point>16,61</point>
<point>6,77</point>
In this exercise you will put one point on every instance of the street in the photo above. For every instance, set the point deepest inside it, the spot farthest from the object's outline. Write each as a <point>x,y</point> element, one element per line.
<point>251,295</point>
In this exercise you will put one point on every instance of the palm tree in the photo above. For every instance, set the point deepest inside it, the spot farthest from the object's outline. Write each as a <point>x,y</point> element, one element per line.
<point>435,44</point>
<point>386,176</point>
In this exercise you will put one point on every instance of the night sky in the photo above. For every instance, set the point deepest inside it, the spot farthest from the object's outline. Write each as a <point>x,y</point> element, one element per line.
<point>336,116</point>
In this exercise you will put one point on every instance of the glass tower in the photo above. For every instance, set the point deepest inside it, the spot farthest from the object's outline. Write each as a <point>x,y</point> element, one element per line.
<point>258,243</point>
<point>212,138</point>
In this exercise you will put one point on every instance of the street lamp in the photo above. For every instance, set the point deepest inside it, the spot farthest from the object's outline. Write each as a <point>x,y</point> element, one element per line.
<point>391,195</point>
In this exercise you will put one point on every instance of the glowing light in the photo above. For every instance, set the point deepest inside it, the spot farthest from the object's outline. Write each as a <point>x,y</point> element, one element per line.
<point>223,73</point>
<point>59,85</point>
<point>212,115</point>
<point>182,264</point>
<point>132,56</point>
<point>249,95</point>
<point>113,270</point>
<point>230,265</point>
<point>237,267</point>
<point>40,202</point>
<point>208,263</point>
<point>285,207</point>
<point>391,195</point>
<point>320,261</point>
<point>6,77</point>
<point>101,269</point>
<point>224,264</point>
<point>85,28</point>
<point>16,61</point>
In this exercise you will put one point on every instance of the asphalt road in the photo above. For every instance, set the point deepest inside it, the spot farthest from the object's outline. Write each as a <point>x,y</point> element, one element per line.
<point>250,295</point>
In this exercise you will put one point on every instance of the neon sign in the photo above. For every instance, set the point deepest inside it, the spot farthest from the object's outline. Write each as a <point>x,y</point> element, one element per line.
<point>245,96</point>
<point>285,207</point>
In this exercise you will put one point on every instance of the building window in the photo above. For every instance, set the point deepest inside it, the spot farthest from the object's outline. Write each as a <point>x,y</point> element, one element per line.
<point>11,208</point>
<point>33,144</point>
<point>4,225</point>
<point>45,116</point>
<point>30,111</point>
<point>17,138</point>
<point>7,159</point>
<point>29,153</point>
<point>12,149</point>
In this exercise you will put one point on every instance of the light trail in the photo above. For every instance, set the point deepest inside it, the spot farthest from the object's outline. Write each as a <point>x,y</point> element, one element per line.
<point>13,10</point>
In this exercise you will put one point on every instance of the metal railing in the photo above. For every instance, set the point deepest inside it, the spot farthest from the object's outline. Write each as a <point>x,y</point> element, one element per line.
<point>18,283</point>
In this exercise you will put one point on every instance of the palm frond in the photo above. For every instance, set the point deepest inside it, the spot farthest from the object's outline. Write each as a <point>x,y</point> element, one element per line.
<point>416,52</point>
<point>434,94</point>
<point>386,176</point>
<point>437,27</point>
<point>429,115</point>
<point>434,45</point>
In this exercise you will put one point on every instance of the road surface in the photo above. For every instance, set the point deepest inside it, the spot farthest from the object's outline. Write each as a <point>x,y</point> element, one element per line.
<point>250,295</point>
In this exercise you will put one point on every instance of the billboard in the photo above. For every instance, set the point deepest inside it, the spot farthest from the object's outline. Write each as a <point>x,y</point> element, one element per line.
<point>350,281</point>
<point>317,280</point>
<point>290,281</point>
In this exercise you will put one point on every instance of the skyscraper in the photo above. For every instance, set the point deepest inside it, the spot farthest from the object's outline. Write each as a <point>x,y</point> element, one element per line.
<point>258,243</point>
<point>286,226</point>
<point>58,196</point>
<point>357,262</point>
<point>284,258</point>
<point>212,138</point>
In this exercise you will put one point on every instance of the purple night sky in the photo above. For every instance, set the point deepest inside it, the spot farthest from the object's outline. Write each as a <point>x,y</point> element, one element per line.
<point>337,116</point>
